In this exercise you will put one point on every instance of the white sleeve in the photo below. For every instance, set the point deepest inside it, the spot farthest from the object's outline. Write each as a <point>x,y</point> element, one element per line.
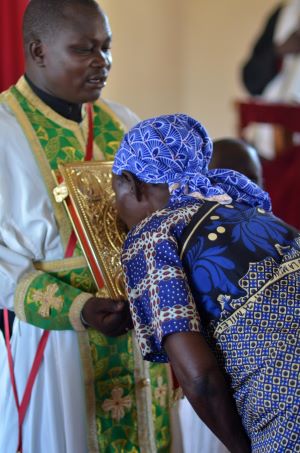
<point>127,116</point>
<point>28,230</point>
<point>12,267</point>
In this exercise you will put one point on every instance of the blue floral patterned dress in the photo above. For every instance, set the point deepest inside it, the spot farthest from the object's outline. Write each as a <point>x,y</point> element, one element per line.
<point>230,272</point>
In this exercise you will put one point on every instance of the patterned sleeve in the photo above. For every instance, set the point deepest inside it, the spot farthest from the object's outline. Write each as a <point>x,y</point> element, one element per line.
<point>160,300</point>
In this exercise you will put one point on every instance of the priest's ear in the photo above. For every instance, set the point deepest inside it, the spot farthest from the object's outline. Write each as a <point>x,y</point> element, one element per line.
<point>36,51</point>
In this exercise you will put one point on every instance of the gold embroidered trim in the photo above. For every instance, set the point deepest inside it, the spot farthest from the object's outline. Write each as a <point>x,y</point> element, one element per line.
<point>21,291</point>
<point>285,269</point>
<point>88,377</point>
<point>43,164</point>
<point>97,153</point>
<point>62,265</point>
<point>27,92</point>
<point>75,310</point>
<point>146,432</point>
<point>195,227</point>
<point>79,130</point>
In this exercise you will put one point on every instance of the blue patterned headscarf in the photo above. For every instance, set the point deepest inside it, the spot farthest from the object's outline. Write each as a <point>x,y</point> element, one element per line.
<point>175,149</point>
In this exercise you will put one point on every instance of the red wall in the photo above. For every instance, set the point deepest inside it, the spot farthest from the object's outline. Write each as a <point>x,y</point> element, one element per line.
<point>11,44</point>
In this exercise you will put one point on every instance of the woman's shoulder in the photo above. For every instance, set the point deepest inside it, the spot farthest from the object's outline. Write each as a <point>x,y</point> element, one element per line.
<point>176,212</point>
<point>166,222</point>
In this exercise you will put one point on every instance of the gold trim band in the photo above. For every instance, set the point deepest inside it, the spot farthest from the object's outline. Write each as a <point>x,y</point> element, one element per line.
<point>90,400</point>
<point>43,164</point>
<point>65,264</point>
<point>146,433</point>
<point>21,291</point>
<point>75,310</point>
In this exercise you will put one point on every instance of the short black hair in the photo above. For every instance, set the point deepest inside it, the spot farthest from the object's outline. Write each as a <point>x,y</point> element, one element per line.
<point>43,18</point>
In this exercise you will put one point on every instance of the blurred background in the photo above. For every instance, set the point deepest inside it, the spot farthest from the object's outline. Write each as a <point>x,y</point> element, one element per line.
<point>175,55</point>
<point>168,55</point>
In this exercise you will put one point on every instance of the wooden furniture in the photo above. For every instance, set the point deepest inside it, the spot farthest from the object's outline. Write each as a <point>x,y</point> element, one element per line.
<point>285,118</point>
<point>282,173</point>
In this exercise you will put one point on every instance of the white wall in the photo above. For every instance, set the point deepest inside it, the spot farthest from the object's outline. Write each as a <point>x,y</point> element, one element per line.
<point>182,55</point>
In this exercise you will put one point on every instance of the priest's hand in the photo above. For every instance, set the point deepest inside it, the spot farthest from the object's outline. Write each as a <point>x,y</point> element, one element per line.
<point>110,317</point>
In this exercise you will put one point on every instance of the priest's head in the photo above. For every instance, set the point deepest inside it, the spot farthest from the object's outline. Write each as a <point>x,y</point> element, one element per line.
<point>67,47</point>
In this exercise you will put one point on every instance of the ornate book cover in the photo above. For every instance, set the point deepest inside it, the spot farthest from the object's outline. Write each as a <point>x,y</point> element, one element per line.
<point>89,199</point>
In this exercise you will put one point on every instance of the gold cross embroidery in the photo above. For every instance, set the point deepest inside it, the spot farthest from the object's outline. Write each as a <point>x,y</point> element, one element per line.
<point>47,300</point>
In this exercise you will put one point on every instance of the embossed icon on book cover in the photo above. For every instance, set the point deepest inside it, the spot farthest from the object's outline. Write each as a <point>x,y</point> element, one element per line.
<point>87,193</point>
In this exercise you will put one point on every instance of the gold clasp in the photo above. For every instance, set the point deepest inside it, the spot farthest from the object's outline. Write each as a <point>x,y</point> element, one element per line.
<point>60,193</point>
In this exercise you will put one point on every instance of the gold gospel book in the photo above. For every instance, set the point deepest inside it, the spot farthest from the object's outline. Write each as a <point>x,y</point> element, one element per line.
<point>87,193</point>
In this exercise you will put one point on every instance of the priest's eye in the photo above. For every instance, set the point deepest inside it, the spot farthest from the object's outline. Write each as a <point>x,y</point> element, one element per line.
<point>83,50</point>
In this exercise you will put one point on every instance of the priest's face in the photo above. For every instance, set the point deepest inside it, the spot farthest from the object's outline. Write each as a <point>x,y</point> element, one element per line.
<point>76,62</point>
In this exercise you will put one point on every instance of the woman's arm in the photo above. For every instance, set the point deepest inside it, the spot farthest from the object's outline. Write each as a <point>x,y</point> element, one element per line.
<point>204,385</point>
